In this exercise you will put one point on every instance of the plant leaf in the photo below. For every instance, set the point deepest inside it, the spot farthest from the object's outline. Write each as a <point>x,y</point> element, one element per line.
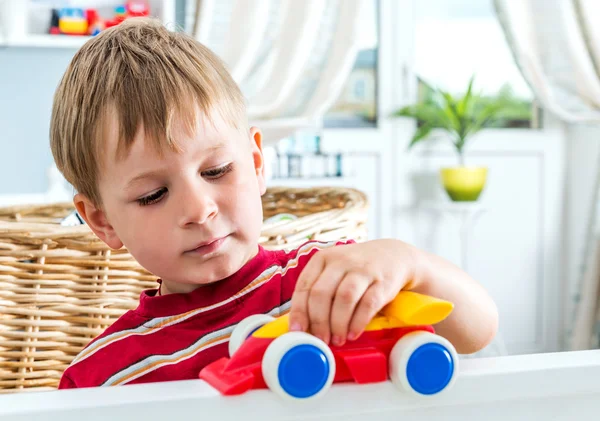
<point>451,113</point>
<point>420,134</point>
<point>465,102</point>
<point>484,118</point>
<point>424,112</point>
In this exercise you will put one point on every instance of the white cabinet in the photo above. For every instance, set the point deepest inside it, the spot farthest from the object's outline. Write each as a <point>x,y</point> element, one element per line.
<point>515,245</point>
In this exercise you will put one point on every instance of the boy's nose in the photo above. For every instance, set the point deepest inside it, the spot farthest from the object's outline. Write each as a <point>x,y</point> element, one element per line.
<point>196,208</point>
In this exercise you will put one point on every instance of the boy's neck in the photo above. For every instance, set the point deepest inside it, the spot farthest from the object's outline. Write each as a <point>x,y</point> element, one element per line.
<point>167,288</point>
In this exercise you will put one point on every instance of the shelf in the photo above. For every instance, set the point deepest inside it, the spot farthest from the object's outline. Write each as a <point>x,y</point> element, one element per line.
<point>46,41</point>
<point>345,181</point>
<point>164,10</point>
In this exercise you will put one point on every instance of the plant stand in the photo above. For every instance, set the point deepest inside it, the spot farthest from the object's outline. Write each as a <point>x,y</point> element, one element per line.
<point>467,214</point>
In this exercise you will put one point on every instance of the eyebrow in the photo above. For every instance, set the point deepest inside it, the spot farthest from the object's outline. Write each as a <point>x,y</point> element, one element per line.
<point>139,177</point>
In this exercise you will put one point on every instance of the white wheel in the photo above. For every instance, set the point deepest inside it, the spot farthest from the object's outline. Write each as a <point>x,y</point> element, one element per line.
<point>423,363</point>
<point>298,366</point>
<point>244,329</point>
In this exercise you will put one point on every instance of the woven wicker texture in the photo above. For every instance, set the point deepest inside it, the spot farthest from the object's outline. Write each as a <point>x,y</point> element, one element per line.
<point>61,286</point>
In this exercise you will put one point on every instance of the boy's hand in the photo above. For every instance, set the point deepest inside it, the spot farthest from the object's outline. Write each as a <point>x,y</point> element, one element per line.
<point>342,288</point>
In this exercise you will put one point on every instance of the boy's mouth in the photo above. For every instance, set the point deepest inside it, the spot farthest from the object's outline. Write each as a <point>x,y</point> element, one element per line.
<point>208,247</point>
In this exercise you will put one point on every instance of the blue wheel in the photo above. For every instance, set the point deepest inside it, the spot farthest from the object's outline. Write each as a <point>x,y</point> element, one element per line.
<point>298,366</point>
<point>423,363</point>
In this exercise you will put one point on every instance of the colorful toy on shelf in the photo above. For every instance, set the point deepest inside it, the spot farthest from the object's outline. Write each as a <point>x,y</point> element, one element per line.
<point>78,21</point>
<point>54,21</point>
<point>399,344</point>
<point>117,19</point>
<point>137,8</point>
<point>120,12</point>
<point>95,22</point>
<point>72,21</point>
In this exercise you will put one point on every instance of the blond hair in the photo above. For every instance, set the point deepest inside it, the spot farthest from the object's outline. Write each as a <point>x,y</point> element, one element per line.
<point>141,74</point>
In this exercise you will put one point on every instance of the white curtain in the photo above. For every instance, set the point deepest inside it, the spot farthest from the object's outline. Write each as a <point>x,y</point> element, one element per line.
<point>556,44</point>
<point>290,57</point>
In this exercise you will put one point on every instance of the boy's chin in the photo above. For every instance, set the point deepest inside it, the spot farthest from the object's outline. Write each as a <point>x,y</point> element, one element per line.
<point>219,268</point>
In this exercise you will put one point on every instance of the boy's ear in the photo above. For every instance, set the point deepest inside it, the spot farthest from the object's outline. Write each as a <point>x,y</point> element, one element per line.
<point>257,155</point>
<point>96,219</point>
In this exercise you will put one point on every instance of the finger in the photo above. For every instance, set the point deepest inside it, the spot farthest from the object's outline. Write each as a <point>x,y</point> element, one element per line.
<point>299,303</point>
<point>321,299</point>
<point>350,290</point>
<point>369,305</point>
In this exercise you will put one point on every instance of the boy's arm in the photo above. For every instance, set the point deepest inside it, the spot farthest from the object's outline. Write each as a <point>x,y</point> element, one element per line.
<point>340,289</point>
<point>474,321</point>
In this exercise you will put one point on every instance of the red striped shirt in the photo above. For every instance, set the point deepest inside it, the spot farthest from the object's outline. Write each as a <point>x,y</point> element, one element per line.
<point>172,337</point>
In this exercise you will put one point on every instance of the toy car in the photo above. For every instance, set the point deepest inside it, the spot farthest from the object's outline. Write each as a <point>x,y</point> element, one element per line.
<point>399,344</point>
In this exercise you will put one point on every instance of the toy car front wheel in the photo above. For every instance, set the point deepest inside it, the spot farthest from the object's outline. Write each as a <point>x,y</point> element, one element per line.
<point>298,365</point>
<point>423,363</point>
<point>245,328</point>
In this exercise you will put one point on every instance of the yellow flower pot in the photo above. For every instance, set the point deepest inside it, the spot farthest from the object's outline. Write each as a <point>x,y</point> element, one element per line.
<point>464,184</point>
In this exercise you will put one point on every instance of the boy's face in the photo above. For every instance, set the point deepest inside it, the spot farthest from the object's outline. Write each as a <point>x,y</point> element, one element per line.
<point>189,218</point>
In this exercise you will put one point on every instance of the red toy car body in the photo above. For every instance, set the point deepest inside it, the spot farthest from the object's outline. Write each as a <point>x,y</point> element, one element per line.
<point>264,354</point>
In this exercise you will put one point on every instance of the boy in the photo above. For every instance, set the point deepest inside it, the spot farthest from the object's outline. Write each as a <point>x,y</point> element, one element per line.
<point>151,130</point>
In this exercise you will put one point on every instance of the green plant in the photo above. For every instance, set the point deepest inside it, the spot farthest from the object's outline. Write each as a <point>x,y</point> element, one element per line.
<point>463,115</point>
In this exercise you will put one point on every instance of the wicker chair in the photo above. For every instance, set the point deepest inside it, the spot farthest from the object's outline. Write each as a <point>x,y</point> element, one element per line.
<point>61,286</point>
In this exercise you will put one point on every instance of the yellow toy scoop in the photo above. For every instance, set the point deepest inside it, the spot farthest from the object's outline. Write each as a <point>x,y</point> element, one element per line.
<point>407,309</point>
<point>411,309</point>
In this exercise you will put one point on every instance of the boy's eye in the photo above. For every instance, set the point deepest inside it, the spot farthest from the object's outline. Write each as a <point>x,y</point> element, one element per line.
<point>158,195</point>
<point>153,197</point>
<point>217,172</point>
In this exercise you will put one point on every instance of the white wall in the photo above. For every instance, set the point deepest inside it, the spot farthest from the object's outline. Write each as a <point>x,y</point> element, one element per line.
<point>28,78</point>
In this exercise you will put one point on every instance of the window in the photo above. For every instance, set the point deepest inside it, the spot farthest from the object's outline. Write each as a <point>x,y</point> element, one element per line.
<point>357,104</point>
<point>458,39</point>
